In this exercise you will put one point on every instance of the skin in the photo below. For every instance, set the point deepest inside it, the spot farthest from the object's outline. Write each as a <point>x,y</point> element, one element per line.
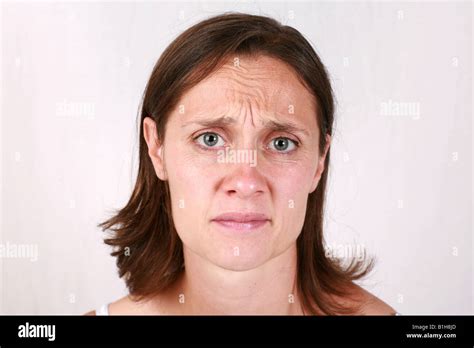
<point>243,272</point>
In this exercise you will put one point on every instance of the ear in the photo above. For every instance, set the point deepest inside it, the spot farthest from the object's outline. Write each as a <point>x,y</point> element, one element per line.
<point>320,167</point>
<point>155,149</point>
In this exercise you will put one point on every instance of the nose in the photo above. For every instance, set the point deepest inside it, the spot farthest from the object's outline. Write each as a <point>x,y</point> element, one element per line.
<point>244,181</point>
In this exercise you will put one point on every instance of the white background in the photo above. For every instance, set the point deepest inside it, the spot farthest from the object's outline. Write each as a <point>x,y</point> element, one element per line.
<point>400,184</point>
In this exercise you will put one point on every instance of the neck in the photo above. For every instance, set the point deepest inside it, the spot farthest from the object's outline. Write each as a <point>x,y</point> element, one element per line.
<point>205,288</point>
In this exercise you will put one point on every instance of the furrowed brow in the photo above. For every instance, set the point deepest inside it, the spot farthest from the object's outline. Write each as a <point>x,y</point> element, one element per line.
<point>276,126</point>
<point>214,122</point>
<point>282,126</point>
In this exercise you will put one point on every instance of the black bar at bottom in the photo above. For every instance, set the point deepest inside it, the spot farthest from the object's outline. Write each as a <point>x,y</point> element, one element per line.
<point>139,330</point>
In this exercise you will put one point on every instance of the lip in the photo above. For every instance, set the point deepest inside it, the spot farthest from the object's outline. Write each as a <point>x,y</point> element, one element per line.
<point>241,221</point>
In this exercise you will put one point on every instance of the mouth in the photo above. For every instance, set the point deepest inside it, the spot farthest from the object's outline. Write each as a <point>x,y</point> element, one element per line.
<point>241,221</point>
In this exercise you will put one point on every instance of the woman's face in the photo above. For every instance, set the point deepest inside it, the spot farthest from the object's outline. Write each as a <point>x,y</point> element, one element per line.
<point>244,140</point>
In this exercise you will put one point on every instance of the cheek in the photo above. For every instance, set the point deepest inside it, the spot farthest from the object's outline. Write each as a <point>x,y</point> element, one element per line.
<point>292,178</point>
<point>190,176</point>
<point>291,187</point>
<point>191,180</point>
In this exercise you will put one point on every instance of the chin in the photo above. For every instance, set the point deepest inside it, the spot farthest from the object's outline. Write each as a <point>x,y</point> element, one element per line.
<point>244,261</point>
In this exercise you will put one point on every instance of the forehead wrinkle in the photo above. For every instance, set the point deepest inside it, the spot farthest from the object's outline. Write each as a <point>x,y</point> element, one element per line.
<point>249,91</point>
<point>254,81</point>
<point>248,105</point>
<point>242,100</point>
<point>240,91</point>
<point>250,112</point>
<point>242,71</point>
<point>264,73</point>
<point>247,81</point>
<point>241,104</point>
<point>269,122</point>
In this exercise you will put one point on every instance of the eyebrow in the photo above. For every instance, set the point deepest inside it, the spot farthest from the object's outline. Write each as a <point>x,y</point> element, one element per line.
<point>277,126</point>
<point>212,122</point>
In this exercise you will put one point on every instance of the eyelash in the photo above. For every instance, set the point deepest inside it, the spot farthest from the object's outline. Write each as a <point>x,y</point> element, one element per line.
<point>206,148</point>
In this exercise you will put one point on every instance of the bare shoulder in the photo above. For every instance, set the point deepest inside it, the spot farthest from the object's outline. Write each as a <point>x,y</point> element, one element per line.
<point>372,305</point>
<point>123,305</point>
<point>127,305</point>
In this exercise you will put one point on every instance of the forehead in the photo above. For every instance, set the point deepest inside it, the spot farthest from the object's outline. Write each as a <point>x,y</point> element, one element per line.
<point>266,85</point>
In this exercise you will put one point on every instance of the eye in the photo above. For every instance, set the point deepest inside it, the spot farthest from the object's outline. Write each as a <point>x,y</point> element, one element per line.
<point>210,139</point>
<point>281,144</point>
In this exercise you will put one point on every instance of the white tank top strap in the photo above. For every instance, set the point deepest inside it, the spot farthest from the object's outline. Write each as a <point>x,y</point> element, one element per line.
<point>103,310</point>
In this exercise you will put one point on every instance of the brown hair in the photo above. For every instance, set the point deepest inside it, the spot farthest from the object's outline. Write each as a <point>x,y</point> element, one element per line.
<point>144,228</point>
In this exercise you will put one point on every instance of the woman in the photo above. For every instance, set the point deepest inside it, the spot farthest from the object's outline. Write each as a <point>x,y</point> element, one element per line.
<point>226,216</point>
